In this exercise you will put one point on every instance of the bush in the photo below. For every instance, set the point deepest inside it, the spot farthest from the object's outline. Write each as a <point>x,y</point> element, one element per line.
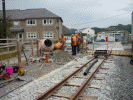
<point>22,47</point>
<point>8,56</point>
<point>116,40</point>
<point>129,42</point>
<point>56,41</point>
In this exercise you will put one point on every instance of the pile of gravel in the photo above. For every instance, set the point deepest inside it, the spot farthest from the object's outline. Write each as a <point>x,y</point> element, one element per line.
<point>60,56</point>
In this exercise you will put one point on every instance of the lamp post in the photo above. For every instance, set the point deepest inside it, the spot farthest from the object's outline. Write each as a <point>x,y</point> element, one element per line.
<point>4,18</point>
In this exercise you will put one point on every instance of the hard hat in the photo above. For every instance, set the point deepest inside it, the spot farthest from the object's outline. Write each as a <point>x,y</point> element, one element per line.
<point>75,34</point>
<point>72,35</point>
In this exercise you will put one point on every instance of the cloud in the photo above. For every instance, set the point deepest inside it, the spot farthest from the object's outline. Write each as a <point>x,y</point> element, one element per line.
<point>76,12</point>
<point>128,8</point>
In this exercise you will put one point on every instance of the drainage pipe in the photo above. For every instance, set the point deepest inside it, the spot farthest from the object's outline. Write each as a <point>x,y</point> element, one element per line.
<point>87,70</point>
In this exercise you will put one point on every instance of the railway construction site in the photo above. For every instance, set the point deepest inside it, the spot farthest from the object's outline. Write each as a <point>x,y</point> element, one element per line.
<point>95,73</point>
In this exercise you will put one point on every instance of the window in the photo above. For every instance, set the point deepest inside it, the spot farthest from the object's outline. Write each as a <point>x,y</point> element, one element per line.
<point>31,35</point>
<point>16,22</point>
<point>50,21</point>
<point>48,35</point>
<point>47,21</point>
<point>31,22</point>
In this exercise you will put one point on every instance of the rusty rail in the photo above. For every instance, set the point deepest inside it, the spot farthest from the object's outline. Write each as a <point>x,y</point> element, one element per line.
<point>57,86</point>
<point>83,87</point>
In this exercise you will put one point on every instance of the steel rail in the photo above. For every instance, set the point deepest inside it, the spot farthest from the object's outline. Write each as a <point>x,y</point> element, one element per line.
<point>83,87</point>
<point>57,86</point>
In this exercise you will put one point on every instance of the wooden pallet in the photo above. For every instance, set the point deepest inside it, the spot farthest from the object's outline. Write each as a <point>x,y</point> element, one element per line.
<point>119,53</point>
<point>122,53</point>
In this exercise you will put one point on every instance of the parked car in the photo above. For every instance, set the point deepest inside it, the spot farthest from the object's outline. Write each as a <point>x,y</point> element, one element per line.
<point>89,42</point>
<point>102,40</point>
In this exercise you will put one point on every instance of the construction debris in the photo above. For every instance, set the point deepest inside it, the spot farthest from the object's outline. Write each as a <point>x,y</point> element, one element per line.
<point>60,56</point>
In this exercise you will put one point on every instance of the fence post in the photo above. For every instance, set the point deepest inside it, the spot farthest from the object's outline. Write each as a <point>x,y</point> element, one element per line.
<point>93,46</point>
<point>19,52</point>
<point>1,57</point>
<point>8,51</point>
<point>32,47</point>
<point>83,45</point>
<point>86,45</point>
<point>37,42</point>
<point>92,49</point>
<point>107,48</point>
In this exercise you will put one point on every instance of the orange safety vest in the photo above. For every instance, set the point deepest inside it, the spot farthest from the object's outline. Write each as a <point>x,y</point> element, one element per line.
<point>62,39</point>
<point>41,40</point>
<point>74,40</point>
<point>78,41</point>
<point>58,45</point>
<point>81,39</point>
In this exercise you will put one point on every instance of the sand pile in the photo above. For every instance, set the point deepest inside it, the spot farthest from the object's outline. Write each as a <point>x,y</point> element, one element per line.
<point>60,56</point>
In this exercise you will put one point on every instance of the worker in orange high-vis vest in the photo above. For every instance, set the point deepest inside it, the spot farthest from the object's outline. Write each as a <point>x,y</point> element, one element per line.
<point>73,44</point>
<point>78,42</point>
<point>62,39</point>
<point>41,40</point>
<point>58,46</point>
<point>40,47</point>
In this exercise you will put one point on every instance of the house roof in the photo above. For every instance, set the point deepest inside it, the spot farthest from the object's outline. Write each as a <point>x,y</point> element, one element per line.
<point>65,30</point>
<point>17,29</point>
<point>29,14</point>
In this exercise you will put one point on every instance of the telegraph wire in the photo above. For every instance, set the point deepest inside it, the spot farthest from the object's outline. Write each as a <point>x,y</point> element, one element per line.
<point>99,20</point>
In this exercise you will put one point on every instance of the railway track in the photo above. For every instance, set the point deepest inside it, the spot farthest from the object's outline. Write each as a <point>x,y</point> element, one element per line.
<point>81,83</point>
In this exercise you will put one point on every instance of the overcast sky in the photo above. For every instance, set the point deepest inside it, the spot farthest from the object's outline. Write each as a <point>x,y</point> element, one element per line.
<point>81,13</point>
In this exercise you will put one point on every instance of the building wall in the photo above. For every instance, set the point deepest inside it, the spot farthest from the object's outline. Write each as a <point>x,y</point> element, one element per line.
<point>132,26</point>
<point>88,31</point>
<point>60,28</point>
<point>118,37</point>
<point>40,28</point>
<point>21,24</point>
<point>110,36</point>
<point>101,36</point>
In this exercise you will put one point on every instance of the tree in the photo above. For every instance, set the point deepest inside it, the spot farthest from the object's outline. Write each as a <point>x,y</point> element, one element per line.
<point>5,26</point>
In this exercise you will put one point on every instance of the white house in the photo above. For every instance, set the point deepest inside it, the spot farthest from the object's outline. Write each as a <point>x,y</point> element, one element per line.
<point>88,31</point>
<point>110,36</point>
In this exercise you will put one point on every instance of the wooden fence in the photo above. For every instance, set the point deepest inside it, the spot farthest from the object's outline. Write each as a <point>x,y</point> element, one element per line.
<point>17,46</point>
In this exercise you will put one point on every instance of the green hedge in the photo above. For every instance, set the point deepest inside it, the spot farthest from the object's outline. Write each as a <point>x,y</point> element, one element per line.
<point>8,56</point>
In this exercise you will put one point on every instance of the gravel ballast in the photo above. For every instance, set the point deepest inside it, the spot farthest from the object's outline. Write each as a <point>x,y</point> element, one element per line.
<point>30,90</point>
<point>118,80</point>
<point>117,84</point>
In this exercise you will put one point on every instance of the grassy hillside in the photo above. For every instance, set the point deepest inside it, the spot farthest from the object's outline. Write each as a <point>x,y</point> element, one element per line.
<point>114,28</point>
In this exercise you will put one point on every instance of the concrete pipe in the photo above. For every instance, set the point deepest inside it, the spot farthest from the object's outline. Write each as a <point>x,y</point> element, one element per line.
<point>46,45</point>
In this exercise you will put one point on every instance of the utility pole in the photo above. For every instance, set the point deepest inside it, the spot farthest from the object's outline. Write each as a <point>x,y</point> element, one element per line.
<point>4,18</point>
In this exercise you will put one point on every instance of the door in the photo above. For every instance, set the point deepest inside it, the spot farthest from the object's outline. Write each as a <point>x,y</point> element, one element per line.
<point>118,37</point>
<point>20,36</point>
<point>106,38</point>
